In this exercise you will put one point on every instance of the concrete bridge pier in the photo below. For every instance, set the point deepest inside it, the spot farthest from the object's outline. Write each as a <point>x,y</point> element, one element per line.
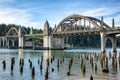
<point>3,42</point>
<point>103,43</point>
<point>21,42</point>
<point>46,38</point>
<point>58,42</point>
<point>21,39</point>
<point>13,43</point>
<point>50,41</point>
<point>104,38</point>
<point>8,43</point>
<point>113,41</point>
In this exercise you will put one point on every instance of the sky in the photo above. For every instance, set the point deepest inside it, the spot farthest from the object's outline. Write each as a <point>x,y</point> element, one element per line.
<point>34,13</point>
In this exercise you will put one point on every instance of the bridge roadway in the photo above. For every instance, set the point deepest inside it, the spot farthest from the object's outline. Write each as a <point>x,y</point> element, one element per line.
<point>91,31</point>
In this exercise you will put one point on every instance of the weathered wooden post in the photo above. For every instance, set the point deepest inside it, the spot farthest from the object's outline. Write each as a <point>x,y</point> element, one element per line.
<point>91,77</point>
<point>4,64</point>
<point>33,72</point>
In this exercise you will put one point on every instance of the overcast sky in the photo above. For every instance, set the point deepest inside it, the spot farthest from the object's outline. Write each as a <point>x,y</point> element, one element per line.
<point>35,12</point>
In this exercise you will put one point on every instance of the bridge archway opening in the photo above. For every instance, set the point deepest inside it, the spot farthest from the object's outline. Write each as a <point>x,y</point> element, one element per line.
<point>12,31</point>
<point>84,40</point>
<point>79,22</point>
<point>13,43</point>
<point>108,43</point>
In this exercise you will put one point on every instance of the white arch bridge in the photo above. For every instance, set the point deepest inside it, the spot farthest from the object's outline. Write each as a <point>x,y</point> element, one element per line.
<point>17,37</point>
<point>77,25</point>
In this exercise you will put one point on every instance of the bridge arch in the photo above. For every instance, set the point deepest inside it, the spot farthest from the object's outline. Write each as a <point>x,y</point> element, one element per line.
<point>12,31</point>
<point>113,42</point>
<point>70,20</point>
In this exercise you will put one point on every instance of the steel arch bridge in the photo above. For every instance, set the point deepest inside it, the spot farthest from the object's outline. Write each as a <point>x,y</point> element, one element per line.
<point>78,24</point>
<point>82,24</point>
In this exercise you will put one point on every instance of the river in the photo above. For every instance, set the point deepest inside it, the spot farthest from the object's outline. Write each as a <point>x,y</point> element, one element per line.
<point>55,73</point>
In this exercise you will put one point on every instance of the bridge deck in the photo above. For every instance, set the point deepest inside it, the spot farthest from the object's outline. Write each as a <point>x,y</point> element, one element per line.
<point>110,31</point>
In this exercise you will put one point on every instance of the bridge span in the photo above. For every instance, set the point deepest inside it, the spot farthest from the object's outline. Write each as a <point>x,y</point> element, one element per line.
<point>76,25</point>
<point>19,38</point>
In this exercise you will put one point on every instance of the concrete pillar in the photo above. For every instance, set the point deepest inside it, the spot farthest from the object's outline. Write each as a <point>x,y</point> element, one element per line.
<point>33,43</point>
<point>3,40</point>
<point>21,38</point>
<point>31,30</point>
<point>102,21</point>
<point>46,42</point>
<point>103,42</point>
<point>8,45</point>
<point>62,42</point>
<point>58,42</point>
<point>13,43</point>
<point>46,35</point>
<point>114,44</point>
<point>50,42</point>
<point>21,42</point>
<point>84,23</point>
<point>113,23</point>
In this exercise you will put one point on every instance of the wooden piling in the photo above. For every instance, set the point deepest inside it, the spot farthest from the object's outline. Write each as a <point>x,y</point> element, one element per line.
<point>4,64</point>
<point>46,74</point>
<point>33,72</point>
<point>91,77</point>
<point>58,64</point>
<point>95,67</point>
<point>21,69</point>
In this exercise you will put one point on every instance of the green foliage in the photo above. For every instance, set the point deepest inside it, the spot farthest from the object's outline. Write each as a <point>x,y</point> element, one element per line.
<point>4,29</point>
<point>83,40</point>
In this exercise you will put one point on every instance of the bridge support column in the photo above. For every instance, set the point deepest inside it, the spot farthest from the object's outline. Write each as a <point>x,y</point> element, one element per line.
<point>33,43</point>
<point>46,42</point>
<point>3,40</point>
<point>103,43</point>
<point>21,42</point>
<point>113,40</point>
<point>13,43</point>
<point>58,42</point>
<point>21,39</point>
<point>8,45</point>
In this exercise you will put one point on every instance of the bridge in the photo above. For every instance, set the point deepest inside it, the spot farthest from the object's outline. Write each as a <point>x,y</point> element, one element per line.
<point>76,25</point>
<point>19,38</point>
<point>72,25</point>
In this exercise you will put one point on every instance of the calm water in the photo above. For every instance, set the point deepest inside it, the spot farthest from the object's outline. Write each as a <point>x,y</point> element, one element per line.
<point>61,74</point>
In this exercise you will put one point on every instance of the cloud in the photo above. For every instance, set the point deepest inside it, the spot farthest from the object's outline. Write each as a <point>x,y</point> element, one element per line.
<point>107,12</point>
<point>108,20</point>
<point>17,16</point>
<point>102,11</point>
<point>27,15</point>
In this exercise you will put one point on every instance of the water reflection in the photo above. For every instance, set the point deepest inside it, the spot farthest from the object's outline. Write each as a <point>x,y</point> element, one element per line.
<point>47,54</point>
<point>20,53</point>
<point>79,58</point>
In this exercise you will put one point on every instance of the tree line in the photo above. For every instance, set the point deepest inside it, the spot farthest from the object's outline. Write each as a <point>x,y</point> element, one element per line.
<point>4,29</point>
